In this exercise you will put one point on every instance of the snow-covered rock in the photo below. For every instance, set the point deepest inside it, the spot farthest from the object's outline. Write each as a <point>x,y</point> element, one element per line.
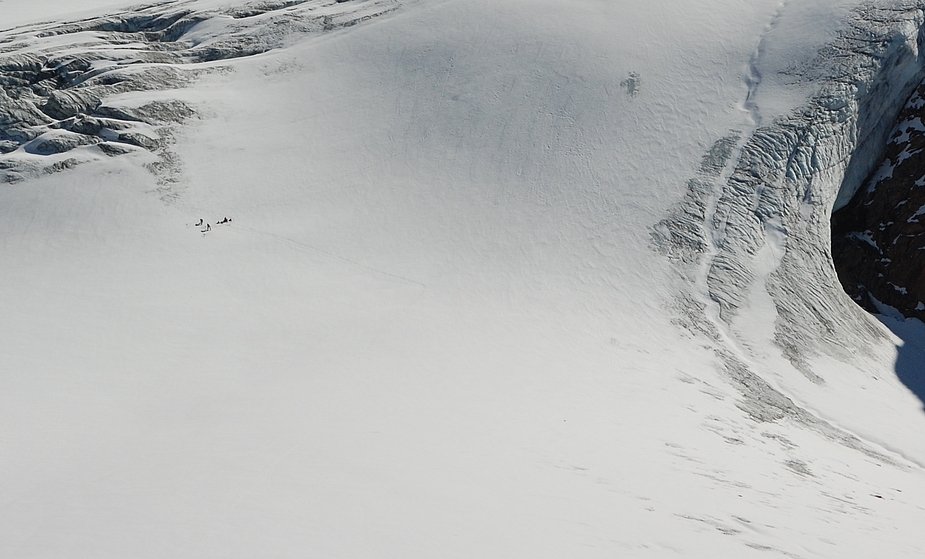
<point>877,245</point>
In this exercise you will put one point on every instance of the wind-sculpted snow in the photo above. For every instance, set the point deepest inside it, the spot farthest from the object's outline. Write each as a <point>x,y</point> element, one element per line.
<point>59,82</point>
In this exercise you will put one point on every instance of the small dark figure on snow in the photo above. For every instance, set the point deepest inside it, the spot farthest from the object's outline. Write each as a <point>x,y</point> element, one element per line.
<point>208,228</point>
<point>200,223</point>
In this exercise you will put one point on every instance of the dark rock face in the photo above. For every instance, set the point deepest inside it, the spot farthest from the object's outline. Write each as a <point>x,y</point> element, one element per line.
<point>878,239</point>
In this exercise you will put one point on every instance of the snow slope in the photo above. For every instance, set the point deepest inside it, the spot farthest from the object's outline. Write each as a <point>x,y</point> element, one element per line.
<point>444,319</point>
<point>20,12</point>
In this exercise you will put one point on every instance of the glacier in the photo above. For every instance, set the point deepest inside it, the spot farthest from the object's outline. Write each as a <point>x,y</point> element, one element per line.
<point>414,278</point>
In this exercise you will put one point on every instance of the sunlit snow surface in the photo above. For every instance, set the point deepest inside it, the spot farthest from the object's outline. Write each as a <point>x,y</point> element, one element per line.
<point>436,325</point>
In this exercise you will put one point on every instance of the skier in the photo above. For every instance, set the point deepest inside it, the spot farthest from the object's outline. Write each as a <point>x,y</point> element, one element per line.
<point>200,223</point>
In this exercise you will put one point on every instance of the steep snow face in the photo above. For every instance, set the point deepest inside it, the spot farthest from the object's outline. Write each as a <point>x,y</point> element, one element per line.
<point>524,278</point>
<point>767,223</point>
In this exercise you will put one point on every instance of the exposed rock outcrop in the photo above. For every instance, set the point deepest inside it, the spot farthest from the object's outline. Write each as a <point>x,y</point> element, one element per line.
<point>878,239</point>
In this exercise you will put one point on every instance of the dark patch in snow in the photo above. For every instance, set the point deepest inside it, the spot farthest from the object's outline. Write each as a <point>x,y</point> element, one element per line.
<point>682,235</point>
<point>799,467</point>
<point>765,404</point>
<point>631,84</point>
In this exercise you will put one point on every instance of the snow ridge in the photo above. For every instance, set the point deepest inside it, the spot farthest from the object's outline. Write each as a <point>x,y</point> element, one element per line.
<point>57,80</point>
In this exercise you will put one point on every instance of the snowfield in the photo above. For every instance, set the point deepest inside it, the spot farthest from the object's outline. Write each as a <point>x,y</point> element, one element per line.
<point>544,278</point>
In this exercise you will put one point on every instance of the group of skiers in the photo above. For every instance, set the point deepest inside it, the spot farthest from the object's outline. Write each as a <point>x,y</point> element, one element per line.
<point>208,227</point>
